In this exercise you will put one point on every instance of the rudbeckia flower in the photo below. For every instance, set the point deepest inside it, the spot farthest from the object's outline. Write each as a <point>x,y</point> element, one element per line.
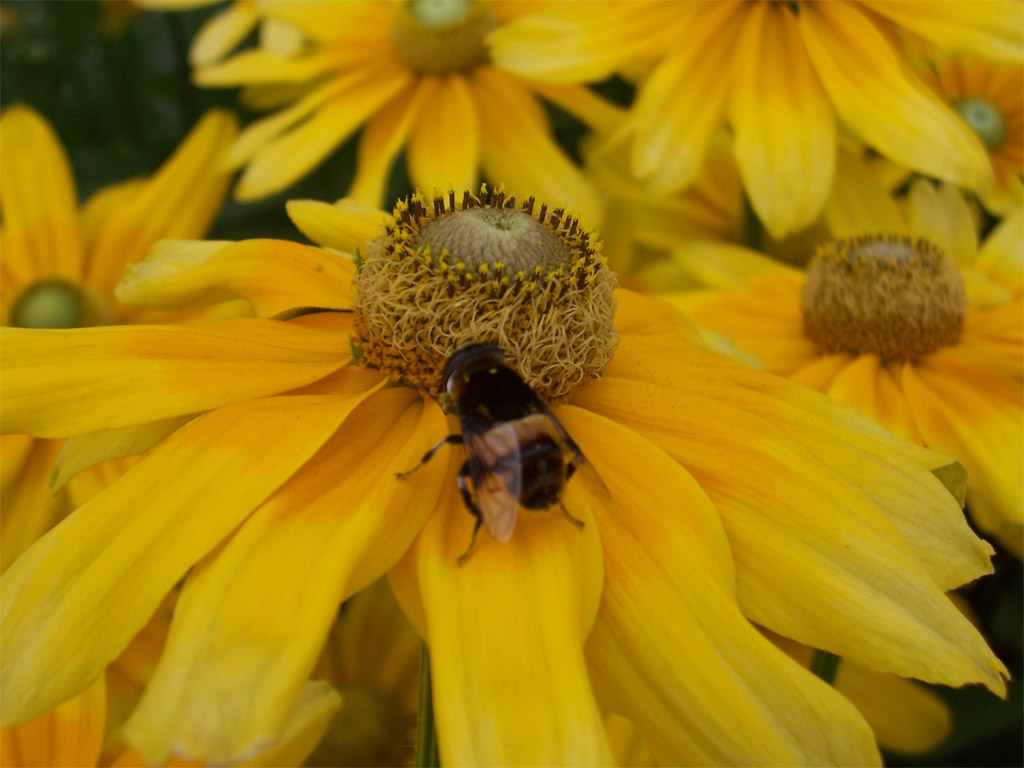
<point>989,96</point>
<point>729,497</point>
<point>60,265</point>
<point>784,76</point>
<point>413,75</point>
<point>904,316</point>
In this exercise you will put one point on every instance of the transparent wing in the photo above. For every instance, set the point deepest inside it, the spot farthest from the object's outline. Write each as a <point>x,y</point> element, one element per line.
<point>497,473</point>
<point>578,463</point>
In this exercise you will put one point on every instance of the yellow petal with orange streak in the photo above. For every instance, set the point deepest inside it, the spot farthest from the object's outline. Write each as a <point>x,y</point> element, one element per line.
<point>75,599</point>
<point>28,507</point>
<point>253,616</point>
<point>785,126</point>
<point>444,143</point>
<point>683,102</point>
<point>817,558</point>
<point>41,232</point>
<point>61,383</point>
<point>69,735</point>
<point>518,150</point>
<point>273,275</point>
<point>382,139</point>
<point>506,632</point>
<point>979,420</point>
<point>287,158</point>
<point>670,649</point>
<point>882,100</point>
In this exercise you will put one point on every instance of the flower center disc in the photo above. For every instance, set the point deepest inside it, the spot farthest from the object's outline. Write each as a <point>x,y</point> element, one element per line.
<point>485,270</point>
<point>436,36</point>
<point>985,120</point>
<point>886,295</point>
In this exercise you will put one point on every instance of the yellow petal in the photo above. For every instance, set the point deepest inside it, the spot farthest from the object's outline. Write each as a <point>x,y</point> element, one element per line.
<point>28,507</point>
<point>723,265</point>
<point>869,387</point>
<point>990,29</point>
<point>671,650</point>
<point>816,558</point>
<point>41,235</point>
<point>941,216</point>
<point>180,200</point>
<point>956,416</point>
<point>274,275</point>
<point>515,611</point>
<point>81,452</point>
<point>444,147</point>
<point>383,138</point>
<point>344,23</point>
<point>221,33</point>
<point>74,600</point>
<point>290,157</point>
<point>906,716</point>
<point>260,133</point>
<point>347,226</point>
<point>304,728</point>
<point>1001,257</point>
<point>878,96</point>
<point>582,102</point>
<point>60,383</point>
<point>562,45</point>
<point>850,445</point>
<point>680,106</point>
<point>256,66</point>
<point>339,524</point>
<point>69,735</point>
<point>819,374</point>
<point>861,203</point>
<point>784,124</point>
<point>519,151</point>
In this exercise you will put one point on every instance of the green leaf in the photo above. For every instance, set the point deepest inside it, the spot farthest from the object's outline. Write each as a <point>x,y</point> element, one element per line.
<point>426,737</point>
<point>954,477</point>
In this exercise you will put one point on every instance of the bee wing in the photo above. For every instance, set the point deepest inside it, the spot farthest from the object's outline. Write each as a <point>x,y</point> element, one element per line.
<point>496,470</point>
<point>578,462</point>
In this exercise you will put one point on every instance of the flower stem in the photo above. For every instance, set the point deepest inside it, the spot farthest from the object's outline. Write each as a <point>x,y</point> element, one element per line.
<point>825,665</point>
<point>426,737</point>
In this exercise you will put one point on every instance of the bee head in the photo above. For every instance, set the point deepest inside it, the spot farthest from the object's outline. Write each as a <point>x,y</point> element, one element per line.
<point>469,358</point>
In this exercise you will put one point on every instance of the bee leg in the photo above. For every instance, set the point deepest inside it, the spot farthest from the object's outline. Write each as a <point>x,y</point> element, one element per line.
<point>574,520</point>
<point>429,455</point>
<point>474,510</point>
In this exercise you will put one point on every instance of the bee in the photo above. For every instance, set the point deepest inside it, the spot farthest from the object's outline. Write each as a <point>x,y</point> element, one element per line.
<point>516,451</point>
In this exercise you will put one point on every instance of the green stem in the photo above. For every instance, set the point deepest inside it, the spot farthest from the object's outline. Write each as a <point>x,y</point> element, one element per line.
<point>825,665</point>
<point>426,736</point>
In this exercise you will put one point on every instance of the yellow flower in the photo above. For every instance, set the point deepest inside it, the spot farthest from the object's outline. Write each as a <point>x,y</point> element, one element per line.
<point>733,497</point>
<point>990,98</point>
<point>414,76</point>
<point>60,265</point>
<point>783,75</point>
<point>937,361</point>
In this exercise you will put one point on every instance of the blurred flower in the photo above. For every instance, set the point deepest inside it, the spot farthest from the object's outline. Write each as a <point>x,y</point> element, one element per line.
<point>372,657</point>
<point>416,75</point>
<point>904,317</point>
<point>990,98</point>
<point>60,265</point>
<point>735,497</point>
<point>783,75</point>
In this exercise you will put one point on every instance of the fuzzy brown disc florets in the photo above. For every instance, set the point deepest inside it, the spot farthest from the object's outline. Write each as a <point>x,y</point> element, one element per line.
<point>888,295</point>
<point>485,269</point>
